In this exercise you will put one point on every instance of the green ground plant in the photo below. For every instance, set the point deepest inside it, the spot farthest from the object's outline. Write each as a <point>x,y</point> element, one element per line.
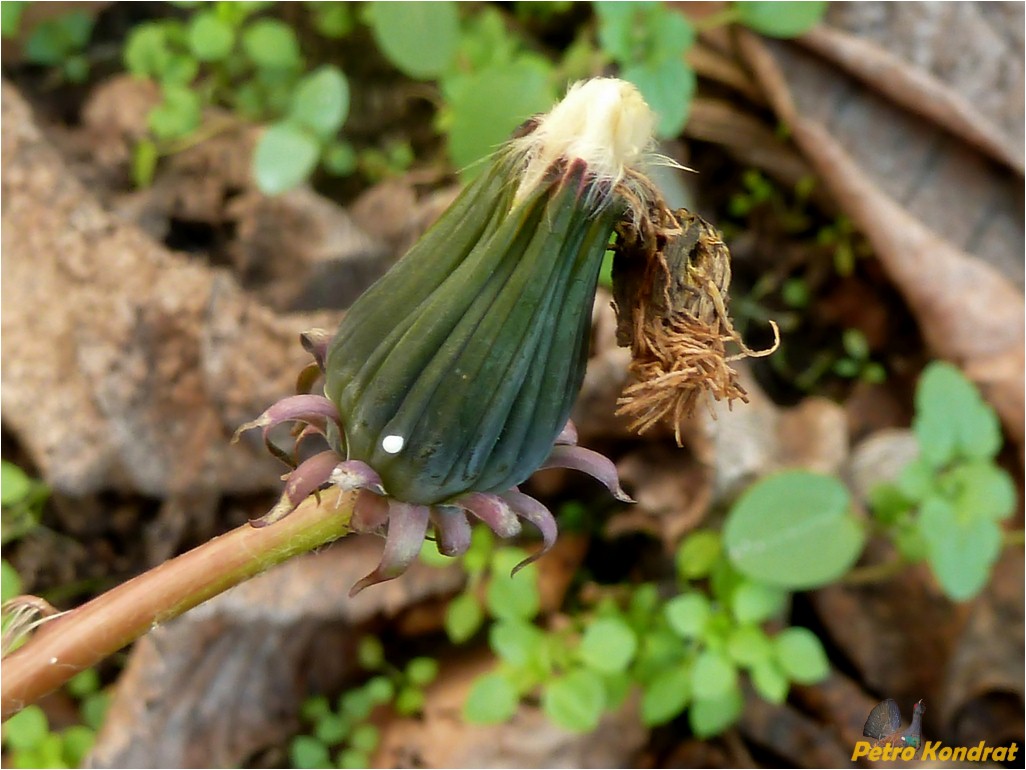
<point>490,75</point>
<point>345,736</point>
<point>686,648</point>
<point>29,741</point>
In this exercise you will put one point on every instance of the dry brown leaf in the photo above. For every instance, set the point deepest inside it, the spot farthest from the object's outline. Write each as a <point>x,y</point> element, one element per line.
<point>792,736</point>
<point>914,89</point>
<point>967,310</point>
<point>983,683</point>
<point>899,633</point>
<point>125,365</point>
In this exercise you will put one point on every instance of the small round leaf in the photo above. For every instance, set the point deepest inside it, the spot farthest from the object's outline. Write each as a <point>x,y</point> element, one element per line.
<point>688,615</point>
<point>210,38</point>
<point>801,655</point>
<point>419,38</point>
<point>576,701</point>
<point>308,752</point>
<point>492,699</point>
<point>463,617</point>
<point>666,696</point>
<point>26,729</point>
<point>271,44</point>
<point>422,671</point>
<point>713,675</point>
<point>711,716</point>
<point>698,553</point>
<point>608,645</point>
<point>512,596</point>
<point>285,156</point>
<point>793,530</point>
<point>777,18</point>
<point>322,101</point>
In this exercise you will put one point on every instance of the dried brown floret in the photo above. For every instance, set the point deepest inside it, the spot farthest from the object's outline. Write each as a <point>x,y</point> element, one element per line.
<point>671,274</point>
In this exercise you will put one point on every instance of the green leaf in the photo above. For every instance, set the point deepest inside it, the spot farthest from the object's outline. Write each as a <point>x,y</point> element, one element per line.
<point>952,419</point>
<point>420,38</point>
<point>770,682</point>
<point>54,40</point>
<point>660,648</point>
<point>712,675</point>
<point>83,683</point>
<point>285,156</point>
<point>509,596</point>
<point>308,752</point>
<point>76,68</point>
<point>76,741</point>
<point>668,86</point>
<point>711,716</point>
<point>179,70</point>
<point>888,502</point>
<point>618,687</point>
<point>749,646</point>
<point>365,738</point>
<point>177,115</point>
<point>334,20</point>
<point>463,617</point>
<point>644,604</point>
<point>672,35</point>
<point>688,614</point>
<point>10,17</point>
<point>146,51</point>
<point>144,163</point>
<point>794,530</point>
<point>960,552</point>
<point>422,671</point>
<point>666,696</point>
<point>608,645</point>
<point>380,690</point>
<point>93,709</point>
<point>352,758</point>
<point>371,653</point>
<point>10,581</point>
<point>15,485</point>
<point>780,19</point>
<point>491,104</point>
<point>754,602</point>
<point>917,480</point>
<point>800,654</point>
<point>356,704</point>
<point>698,553</point>
<point>340,159</point>
<point>618,31</point>
<point>982,489</point>
<point>516,642</point>
<point>26,729</point>
<point>322,101</point>
<point>492,699</point>
<point>271,44</point>
<point>575,701</point>
<point>477,557</point>
<point>409,701</point>
<point>331,729</point>
<point>314,708</point>
<point>210,38</point>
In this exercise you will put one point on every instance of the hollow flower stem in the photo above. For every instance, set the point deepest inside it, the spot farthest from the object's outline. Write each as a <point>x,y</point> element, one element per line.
<point>82,637</point>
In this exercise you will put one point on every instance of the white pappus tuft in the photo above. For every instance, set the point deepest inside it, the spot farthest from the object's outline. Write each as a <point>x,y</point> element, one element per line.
<point>604,122</point>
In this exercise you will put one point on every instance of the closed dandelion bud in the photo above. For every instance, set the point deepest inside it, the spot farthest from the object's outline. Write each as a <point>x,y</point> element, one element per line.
<point>451,380</point>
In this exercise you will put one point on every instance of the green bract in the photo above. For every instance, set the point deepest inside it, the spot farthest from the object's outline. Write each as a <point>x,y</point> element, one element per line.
<point>458,369</point>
